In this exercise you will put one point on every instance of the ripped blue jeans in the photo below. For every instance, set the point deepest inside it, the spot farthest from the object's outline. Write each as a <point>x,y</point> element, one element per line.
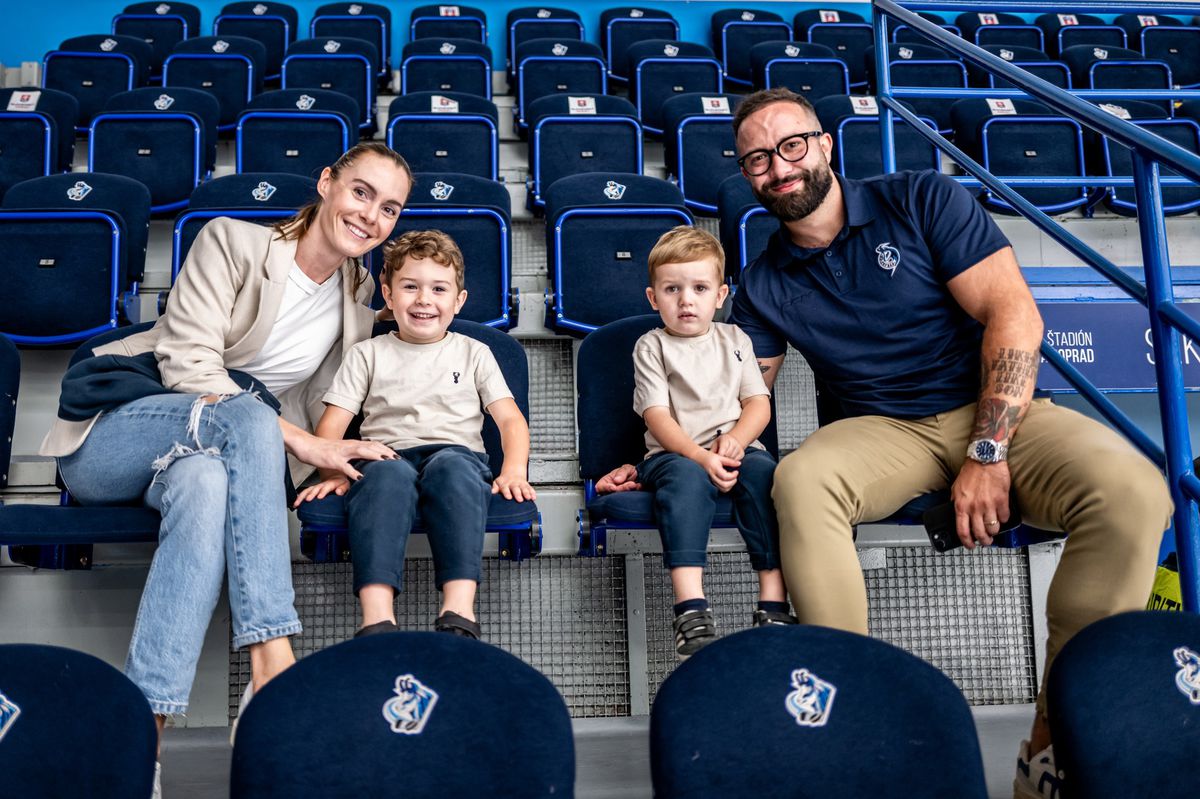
<point>215,473</point>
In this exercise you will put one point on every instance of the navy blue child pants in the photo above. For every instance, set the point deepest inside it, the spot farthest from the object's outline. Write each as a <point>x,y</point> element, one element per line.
<point>450,485</point>
<point>685,501</point>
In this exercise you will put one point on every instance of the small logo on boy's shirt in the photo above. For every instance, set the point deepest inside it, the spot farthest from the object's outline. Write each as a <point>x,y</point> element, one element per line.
<point>738,354</point>
<point>456,376</point>
<point>889,257</point>
<point>1188,677</point>
<point>812,700</point>
<point>408,711</point>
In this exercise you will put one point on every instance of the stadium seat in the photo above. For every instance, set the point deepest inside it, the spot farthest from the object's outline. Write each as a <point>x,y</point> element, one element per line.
<point>10,387</point>
<point>572,134</point>
<point>924,66</point>
<point>627,25</point>
<point>1122,698</point>
<point>1109,159</point>
<point>745,225</point>
<point>448,22</point>
<point>735,31</point>
<point>997,27</point>
<point>1019,138</point>
<point>369,21</point>
<point>228,67</point>
<point>853,122</point>
<point>446,65</point>
<point>538,22</point>
<point>443,698</point>
<point>1167,39</point>
<point>93,68</point>
<point>160,25</point>
<point>273,25</point>
<point>809,69</point>
<point>904,34</point>
<point>345,65</point>
<point>437,131</point>
<point>844,32</point>
<point>612,433</point>
<point>1095,67</point>
<point>600,228</point>
<point>1070,30</point>
<point>323,534</point>
<point>551,66</point>
<point>1035,62</point>
<point>699,147</point>
<point>817,691</point>
<point>38,134</point>
<point>296,130</point>
<point>660,69</point>
<point>60,707</point>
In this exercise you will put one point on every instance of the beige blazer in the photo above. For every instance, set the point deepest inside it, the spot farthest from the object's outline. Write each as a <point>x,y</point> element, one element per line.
<point>220,313</point>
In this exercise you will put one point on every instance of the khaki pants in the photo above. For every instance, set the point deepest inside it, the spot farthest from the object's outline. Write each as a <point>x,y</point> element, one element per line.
<point>1070,473</point>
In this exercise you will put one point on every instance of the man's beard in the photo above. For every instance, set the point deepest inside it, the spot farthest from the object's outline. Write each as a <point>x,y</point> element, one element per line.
<point>796,205</point>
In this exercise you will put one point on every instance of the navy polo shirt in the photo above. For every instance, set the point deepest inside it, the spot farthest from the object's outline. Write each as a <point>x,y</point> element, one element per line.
<point>871,312</point>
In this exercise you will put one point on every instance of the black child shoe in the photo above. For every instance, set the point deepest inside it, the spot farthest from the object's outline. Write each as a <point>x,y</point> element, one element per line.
<point>377,627</point>
<point>694,630</point>
<point>451,622</point>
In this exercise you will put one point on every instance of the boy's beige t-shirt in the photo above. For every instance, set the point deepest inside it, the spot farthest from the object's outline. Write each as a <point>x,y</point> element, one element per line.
<point>416,394</point>
<point>702,380</point>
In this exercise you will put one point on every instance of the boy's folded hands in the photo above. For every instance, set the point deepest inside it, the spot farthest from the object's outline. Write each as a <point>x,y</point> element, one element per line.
<point>728,446</point>
<point>721,470</point>
<point>514,486</point>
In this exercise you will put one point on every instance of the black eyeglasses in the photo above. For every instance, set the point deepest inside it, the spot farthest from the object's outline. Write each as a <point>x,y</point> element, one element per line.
<point>793,148</point>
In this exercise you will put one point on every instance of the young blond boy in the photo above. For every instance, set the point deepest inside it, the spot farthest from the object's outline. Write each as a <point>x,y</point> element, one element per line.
<point>423,391</point>
<point>700,392</point>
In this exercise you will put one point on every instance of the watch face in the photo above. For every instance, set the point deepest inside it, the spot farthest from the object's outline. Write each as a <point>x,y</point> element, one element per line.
<point>985,451</point>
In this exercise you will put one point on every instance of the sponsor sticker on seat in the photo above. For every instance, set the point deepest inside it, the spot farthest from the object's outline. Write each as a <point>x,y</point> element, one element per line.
<point>1116,110</point>
<point>1001,107</point>
<point>1147,20</point>
<point>1067,19</point>
<point>830,16</point>
<point>581,105</point>
<point>24,101</point>
<point>448,11</point>
<point>864,106</point>
<point>715,105</point>
<point>988,19</point>
<point>439,104</point>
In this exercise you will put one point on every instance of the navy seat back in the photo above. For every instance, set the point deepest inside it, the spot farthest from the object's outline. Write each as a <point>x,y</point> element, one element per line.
<point>93,68</point>
<point>745,225</point>
<point>998,27</point>
<point>438,693</point>
<point>924,66</point>
<point>10,386</point>
<point>1176,46</point>
<point>477,214</point>
<point>736,30</point>
<point>1135,25</point>
<point>539,22</point>
<point>1035,62</point>
<point>1099,67</point>
<point>448,22</point>
<point>844,32</point>
<point>853,122</point>
<point>904,33</point>
<point>813,70</point>
<point>1072,29</point>
<point>54,705</point>
<point>816,691</point>
<point>296,130</point>
<point>160,25</point>
<point>190,13</point>
<point>228,67</point>
<point>340,64</point>
<point>1122,700</point>
<point>600,228</point>
<point>39,139</point>
<point>435,131</point>
<point>369,21</point>
<point>627,25</point>
<point>446,65</point>
<point>1116,160</point>
<point>273,25</point>
<point>659,69</point>
<point>699,146</point>
<point>564,140</point>
<point>803,21</point>
<point>553,66</point>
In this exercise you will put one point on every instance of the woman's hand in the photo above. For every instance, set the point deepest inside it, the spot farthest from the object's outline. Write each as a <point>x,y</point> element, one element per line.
<point>334,485</point>
<point>337,455</point>
<point>622,478</point>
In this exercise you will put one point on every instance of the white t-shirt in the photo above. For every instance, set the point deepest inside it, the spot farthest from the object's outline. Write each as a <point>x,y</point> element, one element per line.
<point>308,324</point>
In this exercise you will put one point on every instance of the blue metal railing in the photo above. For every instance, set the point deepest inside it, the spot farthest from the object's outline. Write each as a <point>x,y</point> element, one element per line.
<point>1148,152</point>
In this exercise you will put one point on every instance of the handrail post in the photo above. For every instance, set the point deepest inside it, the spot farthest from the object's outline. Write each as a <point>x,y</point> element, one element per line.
<point>883,87</point>
<point>1168,365</point>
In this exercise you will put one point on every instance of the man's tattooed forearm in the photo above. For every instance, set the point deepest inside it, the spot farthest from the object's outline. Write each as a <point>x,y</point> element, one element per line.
<point>762,367</point>
<point>996,419</point>
<point>1010,373</point>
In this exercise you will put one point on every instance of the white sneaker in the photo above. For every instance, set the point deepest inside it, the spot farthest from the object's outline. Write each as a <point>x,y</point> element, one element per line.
<point>156,792</point>
<point>1037,778</point>
<point>247,695</point>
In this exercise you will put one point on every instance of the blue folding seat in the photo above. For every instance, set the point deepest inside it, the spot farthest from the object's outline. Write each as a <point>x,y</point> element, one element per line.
<point>166,138</point>
<point>1114,159</point>
<point>923,66</point>
<point>600,227</point>
<point>572,134</point>
<point>813,690</point>
<point>809,69</point>
<point>446,65</point>
<point>323,533</point>
<point>160,25</point>
<point>296,130</point>
<point>1032,142</point>
<point>660,69</point>
<point>37,133</point>
<point>1095,67</point>
<point>745,225</point>
<point>1070,30</point>
<point>538,22</point>
<point>441,694</point>
<point>903,33</point>
<point>627,25</point>
<point>699,148</point>
<point>448,22</point>
<point>10,386</point>
<point>61,706</point>
<point>853,122</point>
<point>1167,39</point>
<point>369,21</point>
<point>736,30</point>
<point>75,249</point>
<point>262,197</point>
<point>1035,62</point>
<point>550,66</point>
<point>345,65</point>
<point>844,32</point>
<point>1122,700</point>
<point>997,27</point>
<point>447,130</point>
<point>228,67</point>
<point>93,68</point>
<point>273,25</point>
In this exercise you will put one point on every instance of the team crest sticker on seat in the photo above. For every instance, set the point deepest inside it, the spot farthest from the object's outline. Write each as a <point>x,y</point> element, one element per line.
<point>614,190</point>
<point>670,51</point>
<point>1007,55</point>
<point>559,49</point>
<point>332,47</point>
<point>441,190</point>
<point>906,53</point>
<point>447,48</point>
<point>355,9</point>
<point>305,102</point>
<point>1187,679</point>
<point>262,192</point>
<point>791,51</point>
<point>408,711</point>
<point>747,16</point>
<point>543,13</point>
<point>636,13</point>
<point>889,257</point>
<point>8,715</point>
<point>220,46</point>
<point>162,8</point>
<point>1100,53</point>
<point>164,102</point>
<point>811,701</point>
<point>78,191</point>
<point>108,45</point>
<point>259,10</point>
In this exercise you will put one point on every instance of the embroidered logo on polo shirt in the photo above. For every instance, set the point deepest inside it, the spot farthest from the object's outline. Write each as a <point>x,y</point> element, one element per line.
<point>1188,677</point>
<point>889,257</point>
<point>408,711</point>
<point>811,701</point>
<point>456,376</point>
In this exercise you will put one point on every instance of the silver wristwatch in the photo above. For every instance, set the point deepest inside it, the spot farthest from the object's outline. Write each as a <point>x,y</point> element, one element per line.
<point>984,450</point>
